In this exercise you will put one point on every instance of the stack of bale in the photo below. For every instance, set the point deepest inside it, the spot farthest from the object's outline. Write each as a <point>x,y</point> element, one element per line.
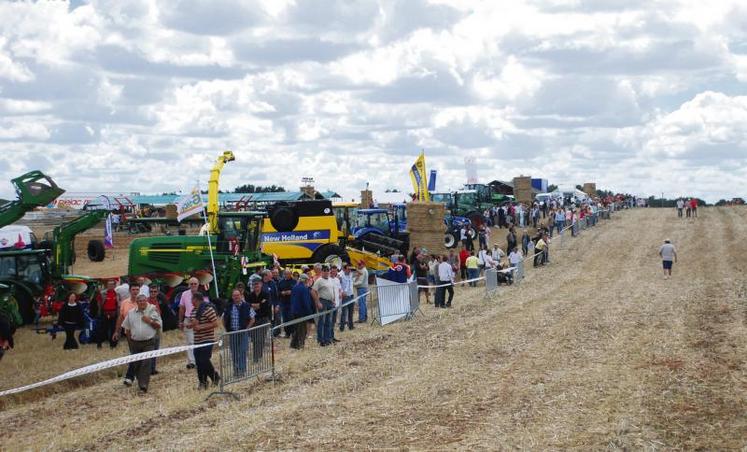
<point>523,189</point>
<point>425,223</point>
<point>590,188</point>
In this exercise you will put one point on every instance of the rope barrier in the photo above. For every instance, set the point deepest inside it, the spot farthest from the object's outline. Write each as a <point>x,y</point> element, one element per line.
<point>105,365</point>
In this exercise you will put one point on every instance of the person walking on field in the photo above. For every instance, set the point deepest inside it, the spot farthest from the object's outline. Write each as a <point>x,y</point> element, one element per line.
<point>680,206</point>
<point>141,327</point>
<point>694,207</point>
<point>668,255</point>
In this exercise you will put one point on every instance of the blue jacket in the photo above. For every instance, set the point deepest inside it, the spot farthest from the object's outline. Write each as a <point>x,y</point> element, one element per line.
<point>301,302</point>
<point>244,315</point>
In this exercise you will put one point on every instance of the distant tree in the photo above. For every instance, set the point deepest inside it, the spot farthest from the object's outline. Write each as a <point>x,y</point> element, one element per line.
<point>168,194</point>
<point>249,188</point>
<point>391,190</point>
<point>551,187</point>
<point>579,187</point>
<point>722,202</point>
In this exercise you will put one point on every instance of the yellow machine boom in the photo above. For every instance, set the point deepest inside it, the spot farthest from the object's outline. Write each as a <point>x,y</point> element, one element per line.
<point>213,184</point>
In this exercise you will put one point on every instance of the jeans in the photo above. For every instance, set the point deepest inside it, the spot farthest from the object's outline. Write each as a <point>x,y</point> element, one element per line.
<point>258,338</point>
<point>362,310</point>
<point>324,324</point>
<point>298,339</point>
<point>473,273</point>
<point>346,313</point>
<point>285,311</point>
<point>559,225</point>
<point>205,367</point>
<point>239,344</point>
<point>441,293</point>
<point>156,346</point>
<point>106,330</point>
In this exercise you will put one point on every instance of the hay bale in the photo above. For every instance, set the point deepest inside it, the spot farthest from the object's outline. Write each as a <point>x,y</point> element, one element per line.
<point>590,188</point>
<point>425,223</point>
<point>523,189</point>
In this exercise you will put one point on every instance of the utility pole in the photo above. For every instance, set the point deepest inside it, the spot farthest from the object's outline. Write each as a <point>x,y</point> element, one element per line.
<point>662,199</point>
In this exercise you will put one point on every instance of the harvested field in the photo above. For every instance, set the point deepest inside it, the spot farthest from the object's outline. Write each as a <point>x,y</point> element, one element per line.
<point>594,351</point>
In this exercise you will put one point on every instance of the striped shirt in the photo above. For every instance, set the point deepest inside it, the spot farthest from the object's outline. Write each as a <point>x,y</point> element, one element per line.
<point>204,316</point>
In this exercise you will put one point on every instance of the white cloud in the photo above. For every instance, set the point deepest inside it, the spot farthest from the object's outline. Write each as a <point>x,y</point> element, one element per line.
<point>638,96</point>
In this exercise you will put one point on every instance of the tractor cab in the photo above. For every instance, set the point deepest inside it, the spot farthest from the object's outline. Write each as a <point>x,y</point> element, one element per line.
<point>239,231</point>
<point>371,220</point>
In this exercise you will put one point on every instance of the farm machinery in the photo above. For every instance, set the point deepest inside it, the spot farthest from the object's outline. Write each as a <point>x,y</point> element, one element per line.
<point>231,242</point>
<point>41,272</point>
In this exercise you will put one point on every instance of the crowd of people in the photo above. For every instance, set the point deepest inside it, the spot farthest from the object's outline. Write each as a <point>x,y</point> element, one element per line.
<point>290,298</point>
<point>688,207</point>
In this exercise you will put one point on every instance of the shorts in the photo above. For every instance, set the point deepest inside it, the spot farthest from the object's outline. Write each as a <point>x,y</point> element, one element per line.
<point>667,265</point>
<point>422,282</point>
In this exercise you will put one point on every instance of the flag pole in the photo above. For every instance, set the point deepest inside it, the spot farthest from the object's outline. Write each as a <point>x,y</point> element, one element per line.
<point>210,244</point>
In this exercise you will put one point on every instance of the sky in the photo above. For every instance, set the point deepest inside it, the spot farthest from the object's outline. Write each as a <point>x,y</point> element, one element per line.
<point>644,97</point>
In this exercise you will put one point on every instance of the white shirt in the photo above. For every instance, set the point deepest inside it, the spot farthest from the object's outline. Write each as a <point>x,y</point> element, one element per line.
<point>445,272</point>
<point>144,290</point>
<point>514,258</point>
<point>337,286</point>
<point>667,252</point>
<point>497,254</point>
<point>680,204</point>
<point>139,330</point>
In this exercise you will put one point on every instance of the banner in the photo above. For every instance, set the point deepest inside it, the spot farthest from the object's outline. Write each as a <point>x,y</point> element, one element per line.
<point>188,205</point>
<point>108,236</point>
<point>418,178</point>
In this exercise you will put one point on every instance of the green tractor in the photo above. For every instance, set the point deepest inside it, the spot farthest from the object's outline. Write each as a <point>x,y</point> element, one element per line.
<point>235,250</point>
<point>41,271</point>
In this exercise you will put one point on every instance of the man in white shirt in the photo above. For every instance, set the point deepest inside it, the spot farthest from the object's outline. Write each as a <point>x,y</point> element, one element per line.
<point>668,255</point>
<point>185,312</point>
<point>680,206</point>
<point>334,275</point>
<point>446,280</point>
<point>141,326</point>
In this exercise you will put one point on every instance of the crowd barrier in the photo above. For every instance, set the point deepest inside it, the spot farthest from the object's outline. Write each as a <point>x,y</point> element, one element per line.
<point>250,353</point>
<point>245,354</point>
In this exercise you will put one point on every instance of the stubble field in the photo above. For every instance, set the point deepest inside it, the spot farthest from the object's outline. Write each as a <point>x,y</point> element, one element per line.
<point>594,351</point>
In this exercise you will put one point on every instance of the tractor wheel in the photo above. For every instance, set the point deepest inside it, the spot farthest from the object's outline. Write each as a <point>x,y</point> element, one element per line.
<point>472,232</point>
<point>330,254</point>
<point>450,240</point>
<point>283,218</point>
<point>96,250</point>
<point>25,305</point>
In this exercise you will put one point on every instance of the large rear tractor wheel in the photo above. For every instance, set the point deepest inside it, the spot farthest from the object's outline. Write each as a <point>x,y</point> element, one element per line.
<point>96,250</point>
<point>450,240</point>
<point>25,305</point>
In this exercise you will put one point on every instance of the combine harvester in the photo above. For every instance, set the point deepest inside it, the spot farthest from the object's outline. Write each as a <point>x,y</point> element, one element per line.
<point>231,241</point>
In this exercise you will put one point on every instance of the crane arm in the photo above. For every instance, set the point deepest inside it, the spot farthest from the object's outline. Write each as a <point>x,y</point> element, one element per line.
<point>34,189</point>
<point>63,238</point>
<point>213,184</point>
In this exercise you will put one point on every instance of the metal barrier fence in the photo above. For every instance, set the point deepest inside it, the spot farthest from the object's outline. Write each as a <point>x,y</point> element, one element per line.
<point>491,282</point>
<point>519,272</point>
<point>245,354</point>
<point>396,301</point>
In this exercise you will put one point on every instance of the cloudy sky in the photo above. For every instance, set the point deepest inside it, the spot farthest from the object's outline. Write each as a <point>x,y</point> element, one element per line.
<point>638,96</point>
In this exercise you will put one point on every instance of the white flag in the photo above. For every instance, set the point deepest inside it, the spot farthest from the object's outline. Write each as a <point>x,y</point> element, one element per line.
<point>189,205</point>
<point>108,236</point>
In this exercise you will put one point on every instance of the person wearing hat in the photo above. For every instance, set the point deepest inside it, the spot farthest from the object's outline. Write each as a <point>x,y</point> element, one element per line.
<point>301,305</point>
<point>323,293</point>
<point>668,255</point>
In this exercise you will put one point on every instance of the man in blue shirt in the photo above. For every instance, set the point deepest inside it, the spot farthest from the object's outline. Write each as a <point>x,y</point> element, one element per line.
<point>285,286</point>
<point>237,318</point>
<point>346,282</point>
<point>301,305</point>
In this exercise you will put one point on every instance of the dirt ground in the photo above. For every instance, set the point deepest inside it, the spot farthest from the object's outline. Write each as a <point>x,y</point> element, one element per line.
<point>594,351</point>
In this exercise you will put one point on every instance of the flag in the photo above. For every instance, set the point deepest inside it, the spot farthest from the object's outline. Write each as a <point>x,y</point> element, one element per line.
<point>418,178</point>
<point>108,237</point>
<point>189,205</point>
<point>432,181</point>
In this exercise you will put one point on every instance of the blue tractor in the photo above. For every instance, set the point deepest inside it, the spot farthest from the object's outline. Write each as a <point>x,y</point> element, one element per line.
<point>375,230</point>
